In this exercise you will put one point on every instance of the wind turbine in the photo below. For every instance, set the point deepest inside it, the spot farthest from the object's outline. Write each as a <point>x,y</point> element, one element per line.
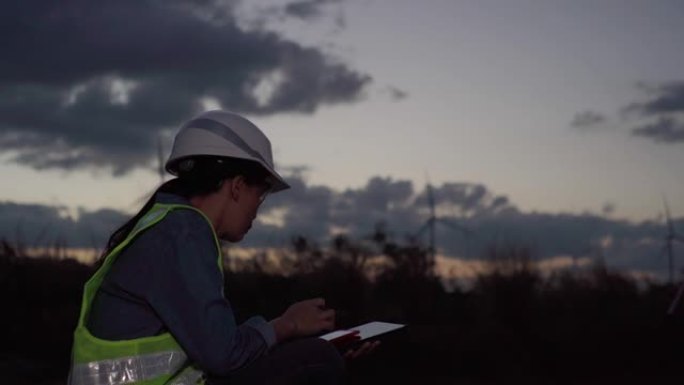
<point>159,169</point>
<point>432,221</point>
<point>670,237</point>
<point>160,160</point>
<point>576,256</point>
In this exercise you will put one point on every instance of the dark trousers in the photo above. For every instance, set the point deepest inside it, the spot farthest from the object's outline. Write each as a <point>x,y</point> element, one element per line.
<point>303,361</point>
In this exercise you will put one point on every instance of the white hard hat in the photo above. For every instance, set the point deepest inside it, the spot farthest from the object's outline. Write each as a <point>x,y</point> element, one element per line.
<point>224,134</point>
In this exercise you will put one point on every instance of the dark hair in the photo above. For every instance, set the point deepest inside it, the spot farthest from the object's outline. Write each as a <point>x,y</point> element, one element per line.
<point>199,175</point>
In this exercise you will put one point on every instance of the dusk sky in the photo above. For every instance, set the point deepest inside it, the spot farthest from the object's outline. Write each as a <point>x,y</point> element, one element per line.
<point>559,123</point>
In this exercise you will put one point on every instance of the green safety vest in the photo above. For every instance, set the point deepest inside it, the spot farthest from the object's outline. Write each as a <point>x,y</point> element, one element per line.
<point>141,361</point>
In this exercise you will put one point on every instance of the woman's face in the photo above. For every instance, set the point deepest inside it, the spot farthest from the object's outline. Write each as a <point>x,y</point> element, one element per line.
<point>240,210</point>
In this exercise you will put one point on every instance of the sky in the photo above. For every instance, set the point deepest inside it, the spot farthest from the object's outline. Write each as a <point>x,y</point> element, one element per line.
<point>555,123</point>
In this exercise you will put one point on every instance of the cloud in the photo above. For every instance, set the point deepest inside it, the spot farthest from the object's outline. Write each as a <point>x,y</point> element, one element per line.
<point>319,212</point>
<point>491,218</point>
<point>35,225</point>
<point>464,199</point>
<point>608,208</point>
<point>587,119</point>
<point>659,117</point>
<point>396,94</point>
<point>381,200</point>
<point>665,99</point>
<point>305,210</point>
<point>92,84</point>
<point>307,9</point>
<point>664,130</point>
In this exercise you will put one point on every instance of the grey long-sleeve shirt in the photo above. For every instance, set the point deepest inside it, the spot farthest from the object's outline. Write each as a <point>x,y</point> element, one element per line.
<point>168,279</point>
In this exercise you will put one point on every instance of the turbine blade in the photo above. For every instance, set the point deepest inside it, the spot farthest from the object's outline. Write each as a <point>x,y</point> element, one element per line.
<point>431,200</point>
<point>675,302</point>
<point>455,226</point>
<point>670,228</point>
<point>662,252</point>
<point>143,198</point>
<point>423,228</point>
<point>160,159</point>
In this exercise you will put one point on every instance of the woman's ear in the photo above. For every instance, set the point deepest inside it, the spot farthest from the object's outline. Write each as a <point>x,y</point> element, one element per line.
<point>236,186</point>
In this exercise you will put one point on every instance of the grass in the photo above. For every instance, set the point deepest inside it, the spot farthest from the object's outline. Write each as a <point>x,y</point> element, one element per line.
<point>511,325</point>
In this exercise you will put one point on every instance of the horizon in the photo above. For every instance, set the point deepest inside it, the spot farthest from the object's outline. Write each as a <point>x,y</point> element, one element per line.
<point>556,125</point>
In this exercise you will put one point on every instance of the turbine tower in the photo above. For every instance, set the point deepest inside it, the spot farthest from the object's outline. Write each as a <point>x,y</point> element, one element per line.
<point>158,169</point>
<point>431,224</point>
<point>160,160</point>
<point>670,237</point>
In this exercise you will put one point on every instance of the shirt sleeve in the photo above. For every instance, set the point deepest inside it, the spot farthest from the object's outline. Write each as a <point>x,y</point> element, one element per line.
<point>186,292</point>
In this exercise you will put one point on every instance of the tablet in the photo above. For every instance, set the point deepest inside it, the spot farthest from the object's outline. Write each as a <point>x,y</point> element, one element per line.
<point>363,332</point>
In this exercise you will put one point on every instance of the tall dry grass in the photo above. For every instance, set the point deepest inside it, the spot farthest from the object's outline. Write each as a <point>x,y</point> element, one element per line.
<point>513,324</point>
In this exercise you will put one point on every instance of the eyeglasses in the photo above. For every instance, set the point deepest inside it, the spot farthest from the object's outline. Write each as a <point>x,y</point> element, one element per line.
<point>267,190</point>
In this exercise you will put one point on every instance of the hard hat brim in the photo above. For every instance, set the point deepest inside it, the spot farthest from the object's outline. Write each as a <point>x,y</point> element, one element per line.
<point>194,141</point>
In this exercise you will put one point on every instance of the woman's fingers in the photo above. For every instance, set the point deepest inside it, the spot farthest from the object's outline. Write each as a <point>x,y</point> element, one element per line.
<point>311,316</point>
<point>349,355</point>
<point>316,302</point>
<point>373,346</point>
<point>328,319</point>
<point>358,352</point>
<point>363,350</point>
<point>327,314</point>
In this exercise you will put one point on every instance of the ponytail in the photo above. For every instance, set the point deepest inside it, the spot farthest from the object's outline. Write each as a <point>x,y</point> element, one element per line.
<point>204,176</point>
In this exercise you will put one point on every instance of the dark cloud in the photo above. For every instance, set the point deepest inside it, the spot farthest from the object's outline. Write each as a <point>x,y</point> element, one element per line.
<point>619,244</point>
<point>381,200</point>
<point>491,218</point>
<point>396,94</point>
<point>308,9</point>
<point>308,209</point>
<point>86,83</point>
<point>380,194</point>
<point>587,119</point>
<point>466,199</point>
<point>664,99</point>
<point>608,208</point>
<point>664,130</point>
<point>45,226</point>
<point>317,212</point>
<point>659,117</point>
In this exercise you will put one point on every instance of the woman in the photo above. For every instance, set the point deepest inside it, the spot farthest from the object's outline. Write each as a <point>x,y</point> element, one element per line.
<point>154,312</point>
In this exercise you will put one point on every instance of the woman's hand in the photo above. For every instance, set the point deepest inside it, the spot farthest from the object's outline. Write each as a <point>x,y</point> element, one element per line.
<point>365,349</point>
<point>304,318</point>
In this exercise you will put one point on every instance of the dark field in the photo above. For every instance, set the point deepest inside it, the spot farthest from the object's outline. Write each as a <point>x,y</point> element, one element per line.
<point>510,326</point>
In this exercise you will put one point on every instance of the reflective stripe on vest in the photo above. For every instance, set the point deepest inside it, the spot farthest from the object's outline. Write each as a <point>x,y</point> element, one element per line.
<point>128,370</point>
<point>189,376</point>
<point>154,360</point>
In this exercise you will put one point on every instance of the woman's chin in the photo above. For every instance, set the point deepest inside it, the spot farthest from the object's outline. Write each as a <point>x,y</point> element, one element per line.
<point>231,237</point>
